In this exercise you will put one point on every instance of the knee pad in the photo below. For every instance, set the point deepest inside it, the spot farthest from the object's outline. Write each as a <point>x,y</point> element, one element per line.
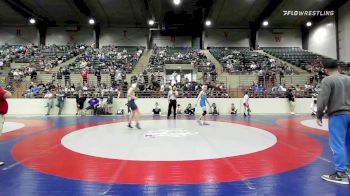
<point>204,113</point>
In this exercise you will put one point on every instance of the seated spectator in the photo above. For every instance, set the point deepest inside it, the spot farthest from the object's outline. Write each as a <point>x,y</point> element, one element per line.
<point>178,109</point>
<point>156,109</point>
<point>233,109</point>
<point>33,75</point>
<point>93,104</point>
<point>213,109</point>
<point>189,110</point>
<point>102,106</point>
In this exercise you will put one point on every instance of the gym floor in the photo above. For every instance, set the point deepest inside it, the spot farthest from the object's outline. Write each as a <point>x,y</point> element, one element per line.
<point>99,155</point>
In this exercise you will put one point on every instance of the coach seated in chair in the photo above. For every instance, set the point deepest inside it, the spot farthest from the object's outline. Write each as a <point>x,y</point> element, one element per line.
<point>93,104</point>
<point>189,110</point>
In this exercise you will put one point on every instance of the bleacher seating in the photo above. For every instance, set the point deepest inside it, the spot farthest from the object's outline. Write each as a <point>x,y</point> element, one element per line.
<point>178,55</point>
<point>297,56</point>
<point>239,59</point>
<point>122,58</point>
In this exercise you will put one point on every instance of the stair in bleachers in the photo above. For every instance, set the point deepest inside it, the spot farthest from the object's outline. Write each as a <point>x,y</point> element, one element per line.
<point>295,68</point>
<point>213,60</point>
<point>64,64</point>
<point>143,62</point>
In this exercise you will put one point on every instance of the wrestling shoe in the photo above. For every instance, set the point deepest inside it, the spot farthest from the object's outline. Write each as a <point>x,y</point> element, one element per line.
<point>205,123</point>
<point>337,177</point>
<point>2,163</point>
<point>199,122</point>
<point>129,125</point>
<point>138,126</point>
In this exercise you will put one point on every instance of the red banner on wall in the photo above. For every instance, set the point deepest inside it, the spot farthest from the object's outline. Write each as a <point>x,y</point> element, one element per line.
<point>277,38</point>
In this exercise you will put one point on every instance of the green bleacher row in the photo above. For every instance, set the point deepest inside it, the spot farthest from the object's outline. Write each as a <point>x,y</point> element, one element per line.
<point>297,56</point>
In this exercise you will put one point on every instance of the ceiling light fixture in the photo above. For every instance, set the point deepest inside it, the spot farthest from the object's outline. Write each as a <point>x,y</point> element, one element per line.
<point>91,21</point>
<point>32,21</point>
<point>207,23</point>
<point>151,22</point>
<point>265,23</point>
<point>177,2</point>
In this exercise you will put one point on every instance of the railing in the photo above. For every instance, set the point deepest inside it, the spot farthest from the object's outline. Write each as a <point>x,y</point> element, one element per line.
<point>232,93</point>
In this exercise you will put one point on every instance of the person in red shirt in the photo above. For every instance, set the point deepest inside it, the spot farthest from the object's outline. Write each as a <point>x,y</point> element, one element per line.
<point>84,74</point>
<point>4,94</point>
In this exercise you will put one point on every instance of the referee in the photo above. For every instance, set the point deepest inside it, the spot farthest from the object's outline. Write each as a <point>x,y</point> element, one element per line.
<point>172,96</point>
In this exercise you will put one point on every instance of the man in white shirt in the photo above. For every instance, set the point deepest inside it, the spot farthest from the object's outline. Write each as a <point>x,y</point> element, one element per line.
<point>49,98</point>
<point>246,104</point>
<point>172,96</point>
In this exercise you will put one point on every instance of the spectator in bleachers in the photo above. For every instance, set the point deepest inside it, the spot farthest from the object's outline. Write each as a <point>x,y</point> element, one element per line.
<point>98,76</point>
<point>85,74</point>
<point>66,74</point>
<point>33,75</point>
<point>59,76</point>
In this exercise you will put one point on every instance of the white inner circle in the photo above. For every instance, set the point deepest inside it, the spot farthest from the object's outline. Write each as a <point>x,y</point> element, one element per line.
<point>12,126</point>
<point>162,140</point>
<point>312,124</point>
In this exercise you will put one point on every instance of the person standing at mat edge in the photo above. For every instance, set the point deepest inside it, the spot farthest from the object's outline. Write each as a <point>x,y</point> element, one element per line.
<point>335,95</point>
<point>203,100</point>
<point>135,113</point>
<point>172,96</point>
<point>4,94</point>
<point>246,104</point>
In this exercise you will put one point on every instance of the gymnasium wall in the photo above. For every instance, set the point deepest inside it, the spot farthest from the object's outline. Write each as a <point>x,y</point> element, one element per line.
<point>226,38</point>
<point>279,38</point>
<point>322,38</point>
<point>60,36</point>
<point>124,36</point>
<point>258,106</point>
<point>19,35</point>
<point>344,32</point>
<point>174,41</point>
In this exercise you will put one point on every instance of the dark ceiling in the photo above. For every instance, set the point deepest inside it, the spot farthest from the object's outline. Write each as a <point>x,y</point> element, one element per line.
<point>189,14</point>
